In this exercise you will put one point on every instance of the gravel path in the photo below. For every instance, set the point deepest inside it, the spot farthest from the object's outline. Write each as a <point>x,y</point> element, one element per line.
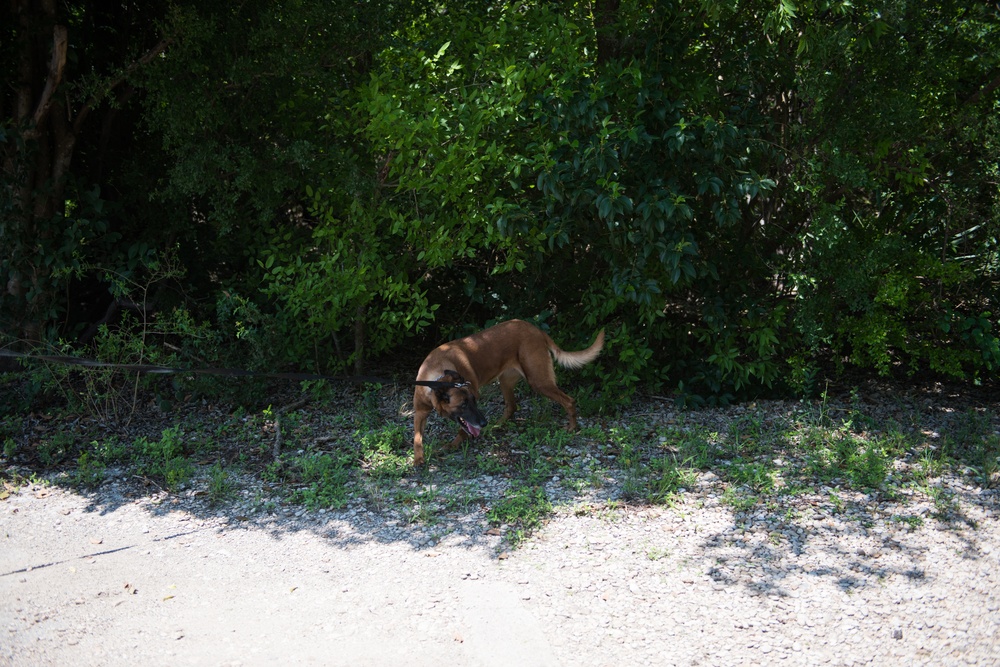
<point>147,583</point>
<point>118,578</point>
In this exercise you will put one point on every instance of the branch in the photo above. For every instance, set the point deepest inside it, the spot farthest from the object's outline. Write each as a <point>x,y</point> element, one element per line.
<point>96,99</point>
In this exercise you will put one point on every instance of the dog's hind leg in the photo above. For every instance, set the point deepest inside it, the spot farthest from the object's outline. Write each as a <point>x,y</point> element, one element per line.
<point>508,379</point>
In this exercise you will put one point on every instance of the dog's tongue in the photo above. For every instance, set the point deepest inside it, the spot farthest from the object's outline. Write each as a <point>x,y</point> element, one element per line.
<point>473,429</point>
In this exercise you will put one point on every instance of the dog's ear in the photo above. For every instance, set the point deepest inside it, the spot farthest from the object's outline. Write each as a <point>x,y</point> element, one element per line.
<point>441,393</point>
<point>453,377</point>
<point>449,380</point>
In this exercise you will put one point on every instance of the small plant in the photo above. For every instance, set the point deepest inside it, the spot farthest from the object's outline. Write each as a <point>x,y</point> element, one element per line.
<point>524,509</point>
<point>857,420</point>
<point>839,454</point>
<point>543,450</point>
<point>913,521</point>
<point>366,408</point>
<point>656,481</point>
<point>321,479</point>
<point>868,468</point>
<point>986,469</point>
<point>837,502</point>
<point>944,502</point>
<point>738,501</point>
<point>421,504</point>
<point>220,484</point>
<point>377,493</point>
<point>9,447</point>
<point>631,458</point>
<point>109,451</point>
<point>929,464</point>
<point>693,446</point>
<point>747,435</point>
<point>164,459</point>
<point>756,476</point>
<point>657,553</point>
<point>973,445</point>
<point>56,450</point>
<point>383,451</point>
<point>90,472</point>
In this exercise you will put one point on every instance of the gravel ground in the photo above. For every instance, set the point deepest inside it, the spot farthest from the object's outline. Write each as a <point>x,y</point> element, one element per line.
<point>123,576</point>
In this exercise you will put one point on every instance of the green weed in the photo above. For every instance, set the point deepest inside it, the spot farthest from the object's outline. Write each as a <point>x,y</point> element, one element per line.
<point>320,480</point>
<point>383,451</point>
<point>366,407</point>
<point>657,553</point>
<point>756,476</point>
<point>421,503</point>
<point>524,509</point>
<point>655,481</point>
<point>693,447</point>
<point>163,459</point>
<point>667,477</point>
<point>89,472</point>
<point>56,449</point>
<point>747,436</point>
<point>220,484</point>
<point>109,451</point>
<point>912,520</point>
<point>869,467</point>
<point>740,502</point>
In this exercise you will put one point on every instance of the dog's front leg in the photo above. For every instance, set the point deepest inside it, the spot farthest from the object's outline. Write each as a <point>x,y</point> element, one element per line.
<point>419,421</point>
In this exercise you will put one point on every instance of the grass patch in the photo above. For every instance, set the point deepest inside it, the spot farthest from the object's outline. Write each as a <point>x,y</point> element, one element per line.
<point>912,521</point>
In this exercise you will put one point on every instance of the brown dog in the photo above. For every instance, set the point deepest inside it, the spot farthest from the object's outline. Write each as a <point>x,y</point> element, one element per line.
<point>450,377</point>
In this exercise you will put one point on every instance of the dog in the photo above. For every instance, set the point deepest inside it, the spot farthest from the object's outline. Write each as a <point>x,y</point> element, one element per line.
<point>450,377</point>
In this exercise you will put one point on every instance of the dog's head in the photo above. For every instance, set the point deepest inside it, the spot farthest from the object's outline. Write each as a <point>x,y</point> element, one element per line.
<point>454,398</point>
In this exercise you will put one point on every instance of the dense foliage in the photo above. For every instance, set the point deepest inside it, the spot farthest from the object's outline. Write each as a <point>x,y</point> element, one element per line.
<point>742,193</point>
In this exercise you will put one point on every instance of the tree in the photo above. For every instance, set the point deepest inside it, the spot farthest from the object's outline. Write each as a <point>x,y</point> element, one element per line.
<point>62,77</point>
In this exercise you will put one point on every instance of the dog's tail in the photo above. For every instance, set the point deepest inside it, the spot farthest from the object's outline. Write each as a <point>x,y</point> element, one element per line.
<point>577,359</point>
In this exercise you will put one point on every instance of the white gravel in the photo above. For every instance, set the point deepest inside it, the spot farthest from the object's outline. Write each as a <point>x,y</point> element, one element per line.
<point>111,578</point>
